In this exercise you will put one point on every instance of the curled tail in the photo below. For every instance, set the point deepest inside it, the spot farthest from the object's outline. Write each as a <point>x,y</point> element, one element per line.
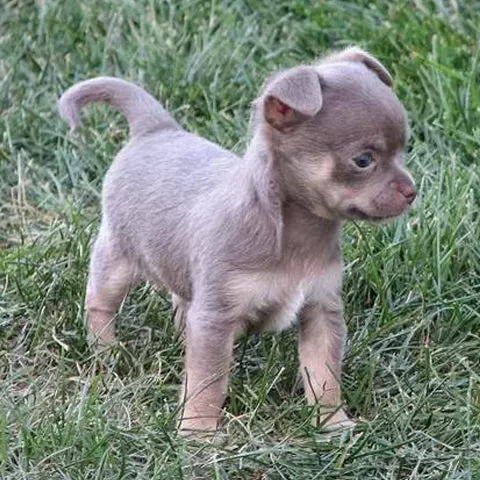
<point>143,112</point>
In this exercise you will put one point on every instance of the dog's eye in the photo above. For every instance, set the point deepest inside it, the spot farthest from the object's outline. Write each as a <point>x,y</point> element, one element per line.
<point>364,160</point>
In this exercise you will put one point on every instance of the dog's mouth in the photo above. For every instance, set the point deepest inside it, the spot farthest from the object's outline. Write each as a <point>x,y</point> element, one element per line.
<point>355,213</point>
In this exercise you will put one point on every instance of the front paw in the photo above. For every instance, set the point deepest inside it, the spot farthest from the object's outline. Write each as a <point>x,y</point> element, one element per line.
<point>334,421</point>
<point>201,429</point>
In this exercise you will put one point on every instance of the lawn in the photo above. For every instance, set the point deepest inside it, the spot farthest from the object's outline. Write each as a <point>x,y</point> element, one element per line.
<point>411,290</point>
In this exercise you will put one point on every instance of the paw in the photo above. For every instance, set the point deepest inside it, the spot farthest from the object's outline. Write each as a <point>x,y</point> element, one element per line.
<point>101,329</point>
<point>101,341</point>
<point>201,429</point>
<point>336,422</point>
<point>215,437</point>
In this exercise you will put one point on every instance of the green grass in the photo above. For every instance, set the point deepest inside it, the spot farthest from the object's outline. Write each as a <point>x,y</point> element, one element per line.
<point>412,289</point>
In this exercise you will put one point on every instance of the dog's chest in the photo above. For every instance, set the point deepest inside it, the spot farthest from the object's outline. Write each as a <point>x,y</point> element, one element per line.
<point>270,301</point>
<point>276,314</point>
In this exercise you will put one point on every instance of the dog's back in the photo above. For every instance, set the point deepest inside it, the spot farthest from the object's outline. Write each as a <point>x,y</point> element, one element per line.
<point>149,198</point>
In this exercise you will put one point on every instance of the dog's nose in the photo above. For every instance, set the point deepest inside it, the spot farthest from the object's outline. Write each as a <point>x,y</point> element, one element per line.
<point>407,189</point>
<point>411,195</point>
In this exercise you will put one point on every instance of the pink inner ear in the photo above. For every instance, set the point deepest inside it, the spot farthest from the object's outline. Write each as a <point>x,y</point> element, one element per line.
<point>279,107</point>
<point>277,113</point>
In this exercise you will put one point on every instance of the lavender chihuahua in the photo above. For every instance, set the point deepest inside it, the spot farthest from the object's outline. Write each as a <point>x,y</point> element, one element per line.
<point>249,244</point>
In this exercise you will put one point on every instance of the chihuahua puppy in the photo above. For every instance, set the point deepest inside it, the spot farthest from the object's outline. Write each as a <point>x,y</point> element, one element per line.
<point>249,244</point>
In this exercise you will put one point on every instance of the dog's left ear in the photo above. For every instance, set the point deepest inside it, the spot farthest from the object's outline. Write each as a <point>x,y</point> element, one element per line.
<point>292,97</point>
<point>356,54</point>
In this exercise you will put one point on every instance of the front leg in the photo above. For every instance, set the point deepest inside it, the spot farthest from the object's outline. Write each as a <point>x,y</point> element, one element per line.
<point>209,351</point>
<point>321,346</point>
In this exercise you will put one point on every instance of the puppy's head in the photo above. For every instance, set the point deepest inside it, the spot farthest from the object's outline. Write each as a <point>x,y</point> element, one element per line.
<point>339,133</point>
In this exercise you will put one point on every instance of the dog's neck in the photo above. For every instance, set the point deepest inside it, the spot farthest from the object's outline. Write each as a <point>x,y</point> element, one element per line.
<point>298,225</point>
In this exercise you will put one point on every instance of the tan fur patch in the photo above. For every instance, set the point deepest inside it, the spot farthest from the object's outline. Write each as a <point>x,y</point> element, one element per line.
<point>271,301</point>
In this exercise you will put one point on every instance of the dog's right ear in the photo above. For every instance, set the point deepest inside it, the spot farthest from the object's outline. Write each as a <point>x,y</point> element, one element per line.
<point>292,97</point>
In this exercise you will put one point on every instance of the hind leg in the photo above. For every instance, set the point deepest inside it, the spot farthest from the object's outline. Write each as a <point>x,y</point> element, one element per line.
<point>111,275</point>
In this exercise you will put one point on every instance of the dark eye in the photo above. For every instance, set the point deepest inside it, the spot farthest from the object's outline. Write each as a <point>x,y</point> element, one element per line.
<point>364,160</point>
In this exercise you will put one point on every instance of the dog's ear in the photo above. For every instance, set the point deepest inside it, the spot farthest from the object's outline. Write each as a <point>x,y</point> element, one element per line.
<point>355,54</point>
<point>292,97</point>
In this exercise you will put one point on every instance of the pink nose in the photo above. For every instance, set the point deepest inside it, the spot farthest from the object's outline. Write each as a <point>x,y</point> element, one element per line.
<point>407,189</point>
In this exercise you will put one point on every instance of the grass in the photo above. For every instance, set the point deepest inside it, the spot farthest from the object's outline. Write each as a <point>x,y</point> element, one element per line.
<point>412,290</point>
